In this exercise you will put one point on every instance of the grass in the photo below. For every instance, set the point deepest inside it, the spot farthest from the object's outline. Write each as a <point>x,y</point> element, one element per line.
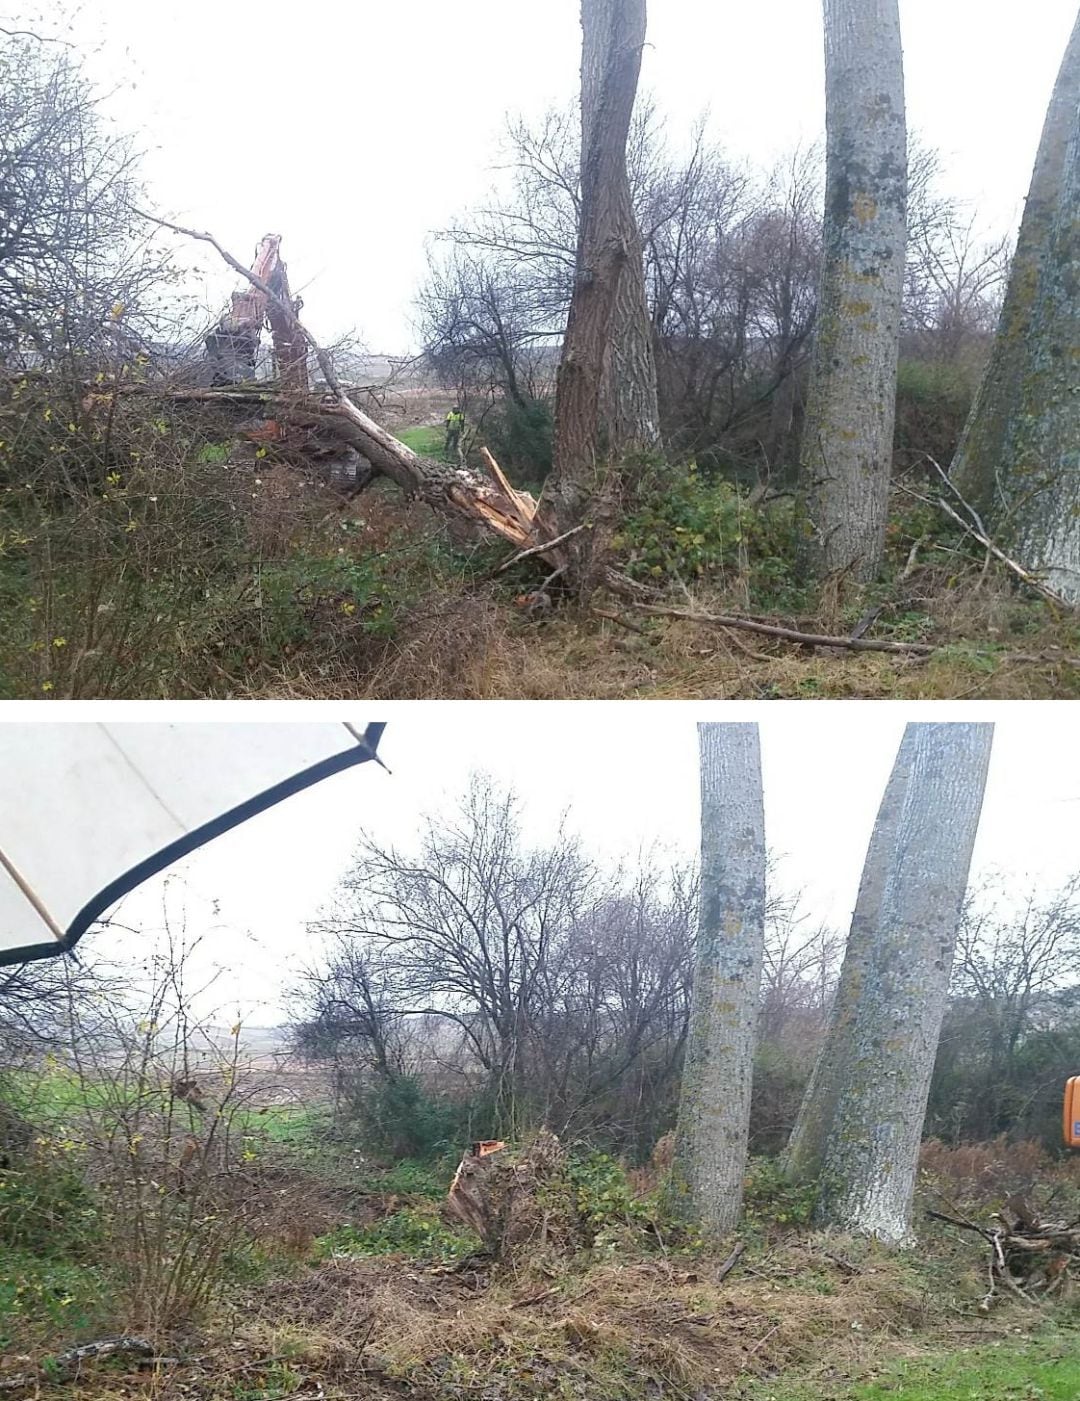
<point>1046,1369</point>
<point>42,1298</point>
<point>348,1270</point>
<point>428,440</point>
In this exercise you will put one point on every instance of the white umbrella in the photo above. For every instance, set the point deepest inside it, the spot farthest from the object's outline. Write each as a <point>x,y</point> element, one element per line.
<point>89,811</point>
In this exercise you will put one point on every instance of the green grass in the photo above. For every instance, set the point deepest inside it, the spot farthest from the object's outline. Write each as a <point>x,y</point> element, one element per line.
<point>996,1375</point>
<point>426,439</point>
<point>416,1233</point>
<point>1032,1371</point>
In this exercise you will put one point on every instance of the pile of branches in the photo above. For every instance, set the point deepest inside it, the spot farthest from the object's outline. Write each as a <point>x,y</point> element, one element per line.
<point>1030,1258</point>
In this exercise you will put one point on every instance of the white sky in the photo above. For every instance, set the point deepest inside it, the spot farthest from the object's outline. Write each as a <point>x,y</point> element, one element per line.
<point>354,129</point>
<point>628,774</point>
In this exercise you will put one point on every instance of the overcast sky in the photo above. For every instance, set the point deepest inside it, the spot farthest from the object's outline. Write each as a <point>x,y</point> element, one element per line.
<point>356,129</point>
<point>628,775</point>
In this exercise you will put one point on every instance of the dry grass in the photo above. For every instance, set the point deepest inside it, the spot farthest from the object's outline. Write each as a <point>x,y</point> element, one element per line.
<point>814,1310</point>
<point>614,1328</point>
<point>472,642</point>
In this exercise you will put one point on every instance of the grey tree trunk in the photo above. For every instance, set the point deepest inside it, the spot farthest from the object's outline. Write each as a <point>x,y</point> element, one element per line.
<point>872,1084</point>
<point>846,454</point>
<point>982,473</point>
<point>714,1108</point>
<point>805,1152</point>
<point>606,402</point>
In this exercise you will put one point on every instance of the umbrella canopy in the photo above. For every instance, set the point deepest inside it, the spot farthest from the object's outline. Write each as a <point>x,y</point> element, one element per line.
<point>89,811</point>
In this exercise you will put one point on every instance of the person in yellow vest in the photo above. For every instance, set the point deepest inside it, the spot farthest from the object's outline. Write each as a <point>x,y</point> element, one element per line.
<point>455,425</point>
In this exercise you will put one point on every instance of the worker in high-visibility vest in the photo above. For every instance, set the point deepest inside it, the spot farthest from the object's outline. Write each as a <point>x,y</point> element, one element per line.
<point>455,425</point>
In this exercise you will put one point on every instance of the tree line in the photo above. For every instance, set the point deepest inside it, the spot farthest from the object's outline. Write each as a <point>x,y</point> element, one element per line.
<point>483,984</point>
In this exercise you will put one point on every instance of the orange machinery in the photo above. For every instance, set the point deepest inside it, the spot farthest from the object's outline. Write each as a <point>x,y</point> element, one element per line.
<point>1071,1123</point>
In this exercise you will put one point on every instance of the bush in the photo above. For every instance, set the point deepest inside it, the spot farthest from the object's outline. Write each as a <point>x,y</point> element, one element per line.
<point>683,527</point>
<point>399,1119</point>
<point>983,1172</point>
<point>769,1199</point>
<point>932,404</point>
<point>46,1207</point>
<point>603,1196</point>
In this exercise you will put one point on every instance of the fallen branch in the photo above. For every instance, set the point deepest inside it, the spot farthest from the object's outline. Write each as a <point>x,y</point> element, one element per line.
<point>65,1366</point>
<point>978,532</point>
<point>730,1263</point>
<point>1029,1257</point>
<point>539,549</point>
<point>806,639</point>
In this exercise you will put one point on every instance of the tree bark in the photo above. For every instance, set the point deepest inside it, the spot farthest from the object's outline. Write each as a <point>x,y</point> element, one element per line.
<point>714,1109</point>
<point>980,470</point>
<point>606,401</point>
<point>862,1127</point>
<point>847,443</point>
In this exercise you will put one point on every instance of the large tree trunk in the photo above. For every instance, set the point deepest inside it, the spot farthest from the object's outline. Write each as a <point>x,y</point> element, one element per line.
<point>980,469</point>
<point>714,1109</point>
<point>605,404</point>
<point>848,436</point>
<point>863,1126</point>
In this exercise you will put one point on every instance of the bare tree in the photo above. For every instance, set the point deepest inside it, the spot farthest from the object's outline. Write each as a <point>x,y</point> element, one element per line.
<point>847,441</point>
<point>1010,1035</point>
<point>75,280</point>
<point>521,978</point>
<point>605,403</point>
<point>867,1101</point>
<point>714,1108</point>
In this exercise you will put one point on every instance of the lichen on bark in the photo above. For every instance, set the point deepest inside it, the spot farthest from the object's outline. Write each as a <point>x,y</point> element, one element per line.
<point>714,1108</point>
<point>846,454</point>
<point>860,1130</point>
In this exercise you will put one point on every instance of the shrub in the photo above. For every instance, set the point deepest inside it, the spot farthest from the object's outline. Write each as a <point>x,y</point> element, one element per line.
<point>603,1195</point>
<point>769,1199</point>
<point>46,1206</point>
<point>398,1119</point>
<point>933,400</point>
<point>682,527</point>
<point>983,1172</point>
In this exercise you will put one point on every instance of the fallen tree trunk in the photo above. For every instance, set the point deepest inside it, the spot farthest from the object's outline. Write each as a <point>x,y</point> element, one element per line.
<point>492,504</point>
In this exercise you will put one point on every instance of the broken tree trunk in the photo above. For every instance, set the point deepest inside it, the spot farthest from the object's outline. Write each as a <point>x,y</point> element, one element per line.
<point>516,1202</point>
<point>491,505</point>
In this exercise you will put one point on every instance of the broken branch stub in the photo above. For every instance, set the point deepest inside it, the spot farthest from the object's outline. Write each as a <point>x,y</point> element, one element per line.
<point>510,1199</point>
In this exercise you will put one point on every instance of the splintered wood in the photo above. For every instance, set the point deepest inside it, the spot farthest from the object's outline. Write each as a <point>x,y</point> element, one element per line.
<point>507,1197</point>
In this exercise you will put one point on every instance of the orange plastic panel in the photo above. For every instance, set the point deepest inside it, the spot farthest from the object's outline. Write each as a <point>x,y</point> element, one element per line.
<point>1072,1113</point>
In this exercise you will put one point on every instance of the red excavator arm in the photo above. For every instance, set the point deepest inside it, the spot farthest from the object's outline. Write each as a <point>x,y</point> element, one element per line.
<point>233,343</point>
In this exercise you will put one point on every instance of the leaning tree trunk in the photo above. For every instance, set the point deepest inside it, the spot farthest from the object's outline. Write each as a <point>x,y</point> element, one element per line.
<point>806,1147</point>
<point>980,469</point>
<point>847,442</point>
<point>605,403</point>
<point>874,1079</point>
<point>714,1108</point>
